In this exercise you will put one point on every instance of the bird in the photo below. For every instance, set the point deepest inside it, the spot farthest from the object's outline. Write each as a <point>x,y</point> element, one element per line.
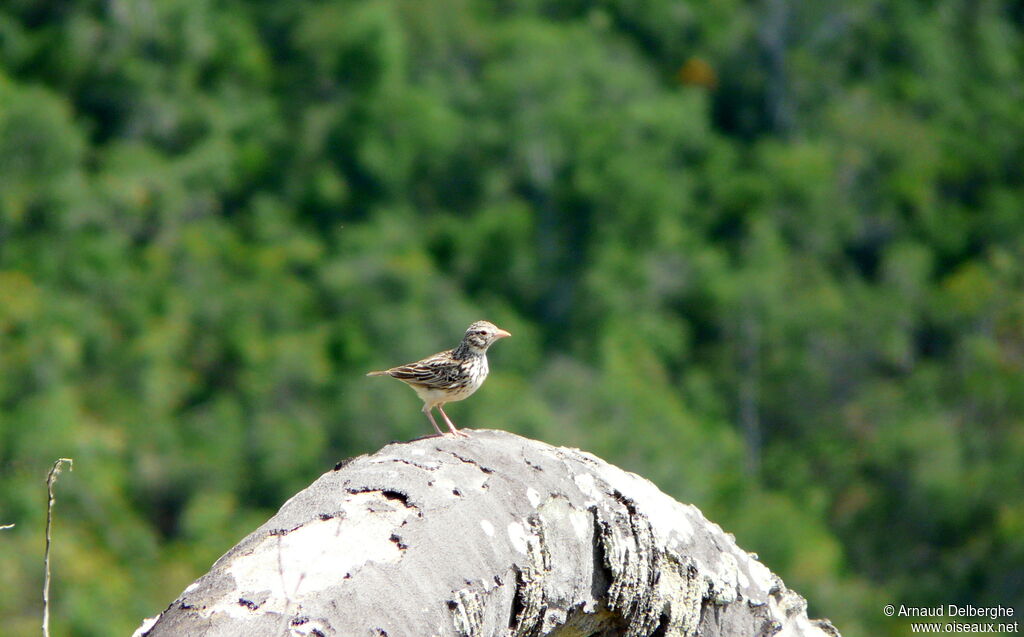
<point>450,375</point>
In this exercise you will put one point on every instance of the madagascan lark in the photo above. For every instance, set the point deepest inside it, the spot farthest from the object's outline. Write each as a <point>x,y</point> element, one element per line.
<point>450,375</point>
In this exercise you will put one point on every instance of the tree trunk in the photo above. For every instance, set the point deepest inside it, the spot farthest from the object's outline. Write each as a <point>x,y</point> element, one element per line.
<point>494,535</point>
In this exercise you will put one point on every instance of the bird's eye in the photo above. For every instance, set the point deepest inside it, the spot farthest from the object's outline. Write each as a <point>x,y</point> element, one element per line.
<point>480,332</point>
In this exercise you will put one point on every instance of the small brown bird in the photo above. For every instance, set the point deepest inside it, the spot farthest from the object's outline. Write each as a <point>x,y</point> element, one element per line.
<point>450,375</point>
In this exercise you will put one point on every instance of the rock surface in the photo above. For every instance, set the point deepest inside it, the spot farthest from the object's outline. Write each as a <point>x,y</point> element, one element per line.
<point>492,535</point>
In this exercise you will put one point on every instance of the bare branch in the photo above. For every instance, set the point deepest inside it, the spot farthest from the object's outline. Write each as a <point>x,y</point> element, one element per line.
<point>51,480</point>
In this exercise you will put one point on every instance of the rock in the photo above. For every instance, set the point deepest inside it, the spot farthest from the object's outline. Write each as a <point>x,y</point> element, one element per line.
<point>492,535</point>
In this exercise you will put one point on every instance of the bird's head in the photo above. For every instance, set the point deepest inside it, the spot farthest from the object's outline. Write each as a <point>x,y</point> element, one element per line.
<point>482,335</point>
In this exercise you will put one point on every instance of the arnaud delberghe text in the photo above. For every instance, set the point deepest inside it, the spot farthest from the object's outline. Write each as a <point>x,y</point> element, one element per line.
<point>955,610</point>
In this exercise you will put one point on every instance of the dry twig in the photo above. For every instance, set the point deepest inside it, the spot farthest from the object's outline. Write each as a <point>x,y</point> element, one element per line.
<point>51,479</point>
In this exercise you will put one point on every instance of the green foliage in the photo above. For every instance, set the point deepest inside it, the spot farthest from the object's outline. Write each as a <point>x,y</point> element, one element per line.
<point>787,289</point>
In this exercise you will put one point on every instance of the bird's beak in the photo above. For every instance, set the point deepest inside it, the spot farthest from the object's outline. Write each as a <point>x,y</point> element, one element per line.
<point>501,334</point>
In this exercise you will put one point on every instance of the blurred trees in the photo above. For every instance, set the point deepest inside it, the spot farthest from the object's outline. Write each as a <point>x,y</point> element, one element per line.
<point>766,254</point>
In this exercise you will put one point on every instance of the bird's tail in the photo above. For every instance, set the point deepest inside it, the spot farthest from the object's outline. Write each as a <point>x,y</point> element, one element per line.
<point>380,373</point>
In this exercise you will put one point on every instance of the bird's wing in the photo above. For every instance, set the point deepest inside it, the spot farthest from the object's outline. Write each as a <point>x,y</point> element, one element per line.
<point>439,371</point>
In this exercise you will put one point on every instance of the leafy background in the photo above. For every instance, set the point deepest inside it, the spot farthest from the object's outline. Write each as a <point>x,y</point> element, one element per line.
<point>766,253</point>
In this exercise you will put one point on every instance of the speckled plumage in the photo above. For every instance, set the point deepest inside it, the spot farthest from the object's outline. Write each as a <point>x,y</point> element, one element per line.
<point>450,375</point>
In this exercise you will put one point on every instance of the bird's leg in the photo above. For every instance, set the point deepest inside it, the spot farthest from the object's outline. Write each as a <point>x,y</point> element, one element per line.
<point>451,426</point>
<point>427,411</point>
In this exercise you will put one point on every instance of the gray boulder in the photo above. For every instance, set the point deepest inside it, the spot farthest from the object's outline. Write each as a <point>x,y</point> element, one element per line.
<point>492,535</point>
